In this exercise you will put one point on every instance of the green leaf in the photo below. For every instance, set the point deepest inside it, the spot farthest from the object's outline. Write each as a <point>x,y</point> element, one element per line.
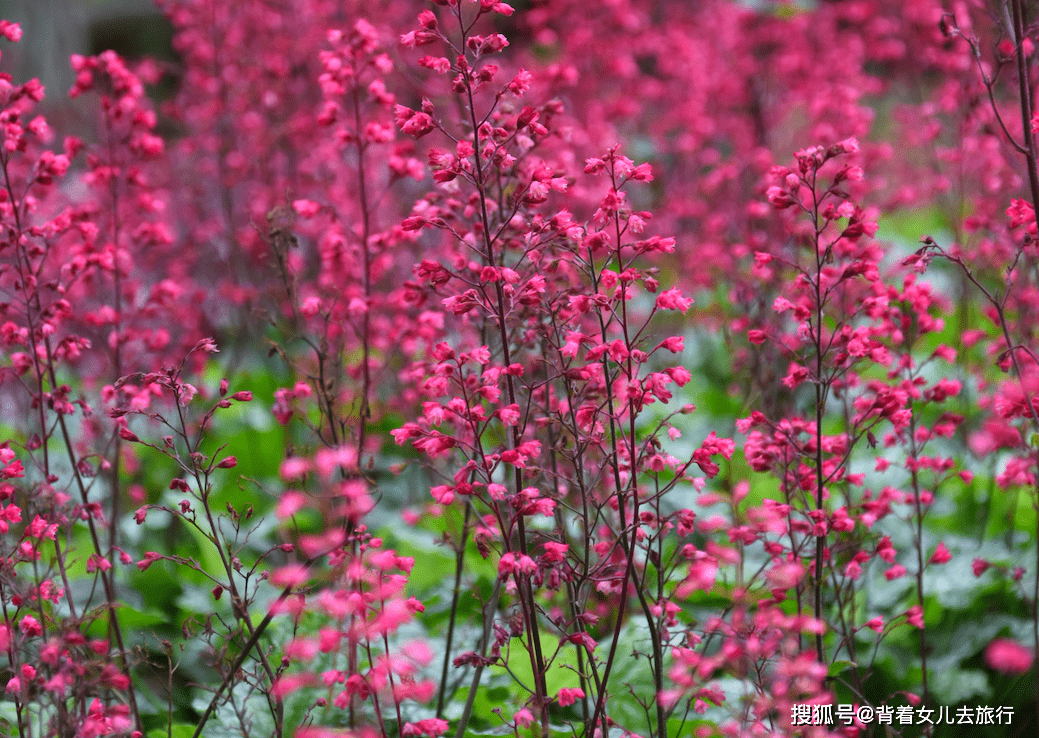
<point>557,676</point>
<point>210,556</point>
<point>839,666</point>
<point>177,730</point>
<point>434,567</point>
<point>130,617</point>
<point>959,685</point>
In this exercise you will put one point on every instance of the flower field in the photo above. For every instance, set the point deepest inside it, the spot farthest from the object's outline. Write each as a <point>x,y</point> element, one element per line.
<point>549,368</point>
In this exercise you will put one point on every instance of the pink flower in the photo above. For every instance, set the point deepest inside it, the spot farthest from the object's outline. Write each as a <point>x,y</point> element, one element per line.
<point>1008,656</point>
<point>915,616</point>
<point>430,726</point>
<point>568,696</point>
<point>292,575</point>
<point>149,558</point>
<point>96,562</point>
<point>208,345</point>
<point>941,555</point>
<point>11,31</point>
<point>672,299</point>
<point>885,550</point>
<point>514,563</point>
<point>443,493</point>
<point>795,376</point>
<point>554,552</point>
<point>895,572</point>
<point>417,125</point>
<point>642,173</point>
<point>30,626</point>
<point>674,344</point>
<point>228,462</point>
<point>701,574</point>
<point>289,683</point>
<point>306,208</point>
<point>114,678</point>
<point>13,467</point>
<point>294,467</point>
<point>1020,212</point>
<point>521,82</point>
<point>290,503</point>
<point>583,639</point>
<point>779,198</point>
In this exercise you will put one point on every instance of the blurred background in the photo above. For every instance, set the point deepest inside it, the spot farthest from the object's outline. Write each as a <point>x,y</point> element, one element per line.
<point>54,29</point>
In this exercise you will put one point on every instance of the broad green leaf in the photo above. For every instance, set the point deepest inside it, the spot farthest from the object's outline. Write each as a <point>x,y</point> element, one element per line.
<point>840,666</point>
<point>177,730</point>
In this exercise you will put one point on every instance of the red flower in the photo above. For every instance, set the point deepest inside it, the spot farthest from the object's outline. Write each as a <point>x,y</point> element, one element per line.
<point>941,555</point>
<point>430,726</point>
<point>149,558</point>
<point>1008,656</point>
<point>569,696</point>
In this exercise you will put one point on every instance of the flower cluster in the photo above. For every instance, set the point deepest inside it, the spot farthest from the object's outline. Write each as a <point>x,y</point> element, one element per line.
<point>558,398</point>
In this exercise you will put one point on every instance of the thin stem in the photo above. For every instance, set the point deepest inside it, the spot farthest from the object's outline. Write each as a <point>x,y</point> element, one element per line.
<point>455,597</point>
<point>489,609</point>
<point>820,401</point>
<point>257,633</point>
<point>914,451</point>
<point>1025,99</point>
<point>523,584</point>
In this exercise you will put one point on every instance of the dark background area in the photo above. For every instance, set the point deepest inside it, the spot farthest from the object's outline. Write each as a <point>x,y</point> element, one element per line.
<point>54,29</point>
